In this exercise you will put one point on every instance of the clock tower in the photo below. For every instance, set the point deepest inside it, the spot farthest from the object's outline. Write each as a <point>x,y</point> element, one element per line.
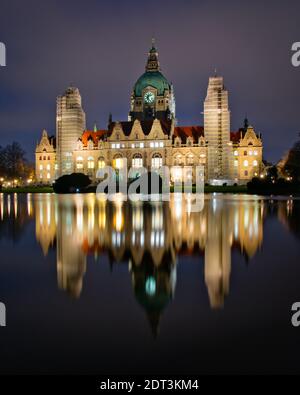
<point>152,96</point>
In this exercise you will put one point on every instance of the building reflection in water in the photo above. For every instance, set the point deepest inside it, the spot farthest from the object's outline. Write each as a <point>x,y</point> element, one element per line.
<point>149,237</point>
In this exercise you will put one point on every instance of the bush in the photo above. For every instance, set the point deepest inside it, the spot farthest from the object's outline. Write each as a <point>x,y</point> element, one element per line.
<point>76,182</point>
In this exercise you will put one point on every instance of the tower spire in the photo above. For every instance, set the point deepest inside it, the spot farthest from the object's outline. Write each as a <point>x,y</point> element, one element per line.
<point>152,61</point>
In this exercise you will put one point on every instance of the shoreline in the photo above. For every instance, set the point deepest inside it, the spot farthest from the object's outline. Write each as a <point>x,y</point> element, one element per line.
<point>241,189</point>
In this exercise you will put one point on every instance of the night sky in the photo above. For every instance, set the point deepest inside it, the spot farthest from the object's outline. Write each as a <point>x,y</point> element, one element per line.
<point>100,46</point>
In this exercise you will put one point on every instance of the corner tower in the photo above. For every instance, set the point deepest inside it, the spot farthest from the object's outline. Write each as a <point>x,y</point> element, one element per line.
<point>217,131</point>
<point>152,96</point>
<point>70,124</point>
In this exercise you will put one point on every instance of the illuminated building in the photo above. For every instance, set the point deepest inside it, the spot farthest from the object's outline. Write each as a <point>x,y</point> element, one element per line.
<point>151,137</point>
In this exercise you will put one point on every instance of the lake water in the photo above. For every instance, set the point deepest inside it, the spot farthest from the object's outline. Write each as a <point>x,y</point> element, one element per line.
<point>101,287</point>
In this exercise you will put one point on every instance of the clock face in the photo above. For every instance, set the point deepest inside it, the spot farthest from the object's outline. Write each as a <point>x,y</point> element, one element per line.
<point>149,97</point>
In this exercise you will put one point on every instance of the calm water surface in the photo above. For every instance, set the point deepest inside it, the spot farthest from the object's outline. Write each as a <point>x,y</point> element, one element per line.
<point>96,287</point>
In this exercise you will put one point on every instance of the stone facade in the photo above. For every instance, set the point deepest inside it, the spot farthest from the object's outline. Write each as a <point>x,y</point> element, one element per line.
<point>151,137</point>
<point>45,159</point>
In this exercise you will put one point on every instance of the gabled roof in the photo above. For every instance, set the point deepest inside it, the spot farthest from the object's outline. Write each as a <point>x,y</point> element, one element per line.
<point>145,125</point>
<point>235,137</point>
<point>94,136</point>
<point>189,131</point>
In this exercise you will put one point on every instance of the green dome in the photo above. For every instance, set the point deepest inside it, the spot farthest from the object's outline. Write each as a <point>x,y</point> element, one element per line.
<point>154,79</point>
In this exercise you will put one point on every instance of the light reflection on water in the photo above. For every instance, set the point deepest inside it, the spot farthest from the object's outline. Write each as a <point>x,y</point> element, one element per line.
<point>157,281</point>
<point>148,237</point>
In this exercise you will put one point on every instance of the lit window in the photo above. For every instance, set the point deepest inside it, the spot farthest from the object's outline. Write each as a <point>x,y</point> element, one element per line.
<point>250,153</point>
<point>41,167</point>
<point>137,161</point>
<point>236,153</point>
<point>48,176</point>
<point>41,175</point>
<point>118,162</point>
<point>156,161</point>
<point>101,163</point>
<point>255,163</point>
<point>79,161</point>
<point>255,153</point>
<point>161,144</point>
<point>141,145</point>
<point>48,167</point>
<point>117,145</point>
<point>151,145</point>
<point>132,146</point>
<point>246,163</point>
<point>113,146</point>
<point>236,163</point>
<point>91,163</point>
<point>156,144</point>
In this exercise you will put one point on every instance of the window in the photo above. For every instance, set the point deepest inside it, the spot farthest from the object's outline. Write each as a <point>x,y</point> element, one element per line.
<point>118,162</point>
<point>41,167</point>
<point>41,175</point>
<point>151,145</point>
<point>161,144</point>
<point>48,157</point>
<point>141,145</point>
<point>137,161</point>
<point>79,164</point>
<point>156,161</point>
<point>255,153</point>
<point>245,153</point>
<point>246,163</point>
<point>91,163</point>
<point>236,153</point>
<point>48,176</point>
<point>101,163</point>
<point>41,158</point>
<point>48,167</point>
<point>246,172</point>
<point>255,163</point>
<point>250,153</point>
<point>236,163</point>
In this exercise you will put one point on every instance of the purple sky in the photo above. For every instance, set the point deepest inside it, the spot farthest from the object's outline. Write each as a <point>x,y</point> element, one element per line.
<point>100,46</point>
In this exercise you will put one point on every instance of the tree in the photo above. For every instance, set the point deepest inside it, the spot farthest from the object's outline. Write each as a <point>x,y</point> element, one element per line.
<point>273,173</point>
<point>12,161</point>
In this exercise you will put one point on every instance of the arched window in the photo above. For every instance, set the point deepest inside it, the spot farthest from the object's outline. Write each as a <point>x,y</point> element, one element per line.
<point>101,162</point>
<point>91,163</point>
<point>118,162</point>
<point>137,161</point>
<point>255,163</point>
<point>156,162</point>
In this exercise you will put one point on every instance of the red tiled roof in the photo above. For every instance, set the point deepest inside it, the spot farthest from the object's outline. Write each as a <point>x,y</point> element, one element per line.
<point>189,131</point>
<point>236,136</point>
<point>95,136</point>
